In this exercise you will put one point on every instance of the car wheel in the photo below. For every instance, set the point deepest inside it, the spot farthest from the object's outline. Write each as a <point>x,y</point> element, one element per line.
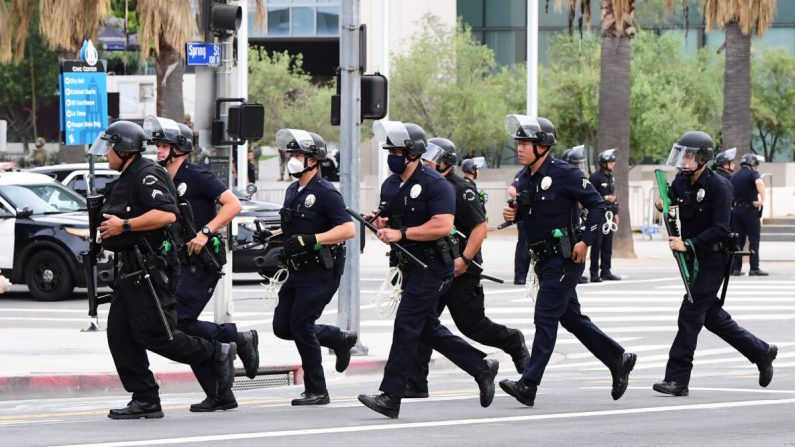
<point>48,277</point>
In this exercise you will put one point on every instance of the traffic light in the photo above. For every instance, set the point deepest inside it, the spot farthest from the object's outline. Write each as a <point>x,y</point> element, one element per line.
<point>246,122</point>
<point>221,18</point>
<point>375,94</point>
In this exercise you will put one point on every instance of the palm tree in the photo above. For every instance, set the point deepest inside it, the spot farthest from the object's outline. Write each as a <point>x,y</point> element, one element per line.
<point>739,19</point>
<point>617,31</point>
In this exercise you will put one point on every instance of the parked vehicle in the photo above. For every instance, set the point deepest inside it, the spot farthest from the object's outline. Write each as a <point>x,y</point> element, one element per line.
<point>44,228</point>
<point>75,175</point>
<point>258,258</point>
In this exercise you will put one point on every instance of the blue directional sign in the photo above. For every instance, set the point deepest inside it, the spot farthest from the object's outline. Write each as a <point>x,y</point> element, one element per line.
<point>203,53</point>
<point>84,101</point>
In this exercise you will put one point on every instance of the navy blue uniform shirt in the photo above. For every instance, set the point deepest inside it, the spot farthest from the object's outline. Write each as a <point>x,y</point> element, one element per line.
<point>552,195</point>
<point>704,207</point>
<point>744,182</point>
<point>315,208</point>
<point>203,189</point>
<point>469,211</point>
<point>605,185</point>
<point>425,194</point>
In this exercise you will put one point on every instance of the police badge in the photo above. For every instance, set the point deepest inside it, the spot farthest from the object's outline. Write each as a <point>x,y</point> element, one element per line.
<point>546,182</point>
<point>309,201</point>
<point>700,195</point>
<point>415,191</point>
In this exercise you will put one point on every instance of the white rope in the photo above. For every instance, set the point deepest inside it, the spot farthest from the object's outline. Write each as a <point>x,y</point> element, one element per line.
<point>5,284</point>
<point>388,296</point>
<point>532,284</point>
<point>610,223</point>
<point>272,286</point>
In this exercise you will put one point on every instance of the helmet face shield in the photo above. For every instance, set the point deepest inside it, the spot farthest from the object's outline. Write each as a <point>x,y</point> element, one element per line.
<point>102,144</point>
<point>294,140</point>
<point>684,157</point>
<point>162,130</point>
<point>522,127</point>
<point>434,154</point>
<point>392,134</point>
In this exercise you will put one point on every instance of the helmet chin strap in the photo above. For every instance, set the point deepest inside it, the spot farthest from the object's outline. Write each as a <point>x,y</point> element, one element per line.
<point>306,169</point>
<point>538,156</point>
<point>172,154</point>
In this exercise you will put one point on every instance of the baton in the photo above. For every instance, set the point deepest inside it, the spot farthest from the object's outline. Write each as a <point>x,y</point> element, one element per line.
<point>373,228</point>
<point>727,273</point>
<point>481,275</point>
<point>507,224</point>
<point>148,281</point>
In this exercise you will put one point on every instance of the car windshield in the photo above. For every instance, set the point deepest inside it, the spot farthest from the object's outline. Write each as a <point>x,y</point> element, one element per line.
<point>43,199</point>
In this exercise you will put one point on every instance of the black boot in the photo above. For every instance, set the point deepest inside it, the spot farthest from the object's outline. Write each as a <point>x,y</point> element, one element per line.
<point>520,356</point>
<point>620,374</point>
<point>415,392</point>
<point>137,409</point>
<point>343,350</point>
<point>672,388</point>
<point>583,280</point>
<point>248,351</point>
<point>225,401</point>
<point>610,277</point>
<point>757,272</point>
<point>224,367</point>
<point>595,278</point>
<point>485,381</point>
<point>522,392</point>
<point>311,399</point>
<point>382,403</point>
<point>766,366</point>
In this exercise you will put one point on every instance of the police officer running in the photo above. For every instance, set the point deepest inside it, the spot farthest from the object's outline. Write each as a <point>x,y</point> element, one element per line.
<point>749,197</point>
<point>602,249</point>
<point>315,225</point>
<point>704,201</point>
<point>417,206</point>
<point>549,191</point>
<point>197,280</point>
<point>724,163</point>
<point>464,298</point>
<point>138,210</point>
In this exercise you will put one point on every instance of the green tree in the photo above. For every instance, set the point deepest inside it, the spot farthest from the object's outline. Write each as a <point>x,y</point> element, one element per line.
<point>773,82</point>
<point>449,84</point>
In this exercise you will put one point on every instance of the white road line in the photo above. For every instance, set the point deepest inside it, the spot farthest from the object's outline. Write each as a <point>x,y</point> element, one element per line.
<point>447,423</point>
<point>627,318</point>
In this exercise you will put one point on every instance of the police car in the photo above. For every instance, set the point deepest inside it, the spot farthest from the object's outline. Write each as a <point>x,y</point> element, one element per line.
<point>258,258</point>
<point>44,228</point>
<point>75,175</point>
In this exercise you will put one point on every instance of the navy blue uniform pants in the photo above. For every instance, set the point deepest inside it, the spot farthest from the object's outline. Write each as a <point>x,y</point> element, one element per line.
<point>417,321</point>
<point>465,301</point>
<point>707,312</point>
<point>301,302</point>
<point>557,302</point>
<point>601,250</point>
<point>134,326</point>
<point>745,222</point>
<point>521,259</point>
<point>194,290</point>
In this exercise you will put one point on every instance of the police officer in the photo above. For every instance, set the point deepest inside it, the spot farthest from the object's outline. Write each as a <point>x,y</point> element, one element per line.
<point>704,201</point>
<point>724,163</point>
<point>417,206</point>
<point>138,209</point>
<point>470,170</point>
<point>576,157</point>
<point>464,298</point>
<point>602,248</point>
<point>549,191</point>
<point>197,281</point>
<point>521,260</point>
<point>315,225</point>
<point>749,197</point>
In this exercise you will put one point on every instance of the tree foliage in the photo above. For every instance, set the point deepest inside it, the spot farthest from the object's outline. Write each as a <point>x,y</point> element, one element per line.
<point>773,81</point>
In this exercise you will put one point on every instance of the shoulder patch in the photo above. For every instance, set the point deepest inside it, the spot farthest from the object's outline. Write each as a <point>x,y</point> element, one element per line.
<point>469,195</point>
<point>149,180</point>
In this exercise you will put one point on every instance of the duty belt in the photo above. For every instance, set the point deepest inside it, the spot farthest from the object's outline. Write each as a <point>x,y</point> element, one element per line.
<point>543,250</point>
<point>744,205</point>
<point>711,248</point>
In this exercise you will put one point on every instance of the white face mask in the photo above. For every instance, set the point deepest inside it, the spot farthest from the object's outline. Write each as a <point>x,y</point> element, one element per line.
<point>295,166</point>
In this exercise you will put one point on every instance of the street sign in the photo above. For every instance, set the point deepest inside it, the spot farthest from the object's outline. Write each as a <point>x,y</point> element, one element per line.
<point>203,53</point>
<point>84,101</point>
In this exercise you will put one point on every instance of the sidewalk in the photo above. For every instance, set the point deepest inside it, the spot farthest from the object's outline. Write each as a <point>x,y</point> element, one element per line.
<point>66,362</point>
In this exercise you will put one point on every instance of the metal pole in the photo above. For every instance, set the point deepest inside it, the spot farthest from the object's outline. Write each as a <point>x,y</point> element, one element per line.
<point>350,115</point>
<point>532,57</point>
<point>222,307</point>
<point>242,92</point>
<point>383,170</point>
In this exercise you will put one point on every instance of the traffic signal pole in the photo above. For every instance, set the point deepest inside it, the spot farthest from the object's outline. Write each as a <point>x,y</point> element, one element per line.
<point>350,123</point>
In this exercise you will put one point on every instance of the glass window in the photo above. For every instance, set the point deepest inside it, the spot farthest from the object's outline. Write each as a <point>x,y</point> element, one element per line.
<point>501,13</point>
<point>328,21</point>
<point>303,21</point>
<point>509,46</point>
<point>471,12</point>
<point>278,21</point>
<point>43,199</point>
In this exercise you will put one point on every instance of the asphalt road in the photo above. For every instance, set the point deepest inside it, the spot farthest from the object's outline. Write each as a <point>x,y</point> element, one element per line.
<point>726,407</point>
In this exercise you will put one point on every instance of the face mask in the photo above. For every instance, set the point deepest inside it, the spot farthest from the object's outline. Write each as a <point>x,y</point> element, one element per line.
<point>396,163</point>
<point>295,167</point>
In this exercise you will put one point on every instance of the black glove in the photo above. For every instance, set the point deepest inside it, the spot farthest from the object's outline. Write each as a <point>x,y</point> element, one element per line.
<point>300,243</point>
<point>262,237</point>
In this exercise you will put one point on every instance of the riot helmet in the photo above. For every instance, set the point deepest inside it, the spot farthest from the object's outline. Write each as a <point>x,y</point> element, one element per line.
<point>725,157</point>
<point>299,141</point>
<point>473,165</point>
<point>187,134</point>
<point>691,152</point>
<point>417,142</point>
<point>750,160</point>
<point>575,156</point>
<point>440,150</point>
<point>397,135</point>
<point>605,157</point>
<point>161,130</point>
<point>124,137</point>
<point>537,129</point>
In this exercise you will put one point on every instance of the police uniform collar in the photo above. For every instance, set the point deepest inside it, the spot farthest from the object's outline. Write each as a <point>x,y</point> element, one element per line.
<point>544,169</point>
<point>137,164</point>
<point>185,166</point>
<point>704,178</point>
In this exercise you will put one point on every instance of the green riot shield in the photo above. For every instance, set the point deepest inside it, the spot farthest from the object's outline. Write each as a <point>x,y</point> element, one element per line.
<point>673,229</point>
